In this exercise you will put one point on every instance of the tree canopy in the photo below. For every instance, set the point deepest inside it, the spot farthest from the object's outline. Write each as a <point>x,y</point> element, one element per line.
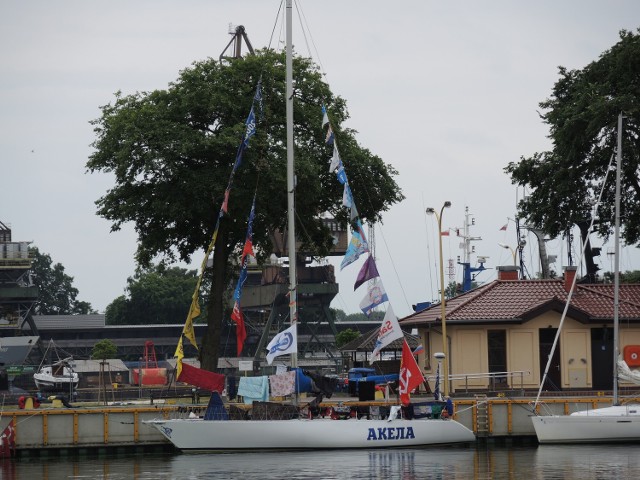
<point>103,350</point>
<point>171,152</point>
<point>56,293</point>
<point>582,116</point>
<point>156,294</point>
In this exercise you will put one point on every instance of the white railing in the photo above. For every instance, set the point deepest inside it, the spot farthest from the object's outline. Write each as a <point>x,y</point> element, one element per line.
<point>494,378</point>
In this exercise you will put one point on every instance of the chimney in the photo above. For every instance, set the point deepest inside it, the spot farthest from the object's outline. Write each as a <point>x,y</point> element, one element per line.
<point>569,275</point>
<point>508,272</point>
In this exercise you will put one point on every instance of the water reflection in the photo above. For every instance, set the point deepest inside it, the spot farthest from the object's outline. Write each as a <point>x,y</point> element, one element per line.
<point>454,463</point>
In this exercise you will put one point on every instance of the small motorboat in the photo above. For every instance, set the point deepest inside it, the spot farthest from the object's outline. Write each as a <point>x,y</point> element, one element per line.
<point>58,376</point>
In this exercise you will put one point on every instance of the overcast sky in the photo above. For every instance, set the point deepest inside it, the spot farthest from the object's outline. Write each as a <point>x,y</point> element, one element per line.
<point>446,92</point>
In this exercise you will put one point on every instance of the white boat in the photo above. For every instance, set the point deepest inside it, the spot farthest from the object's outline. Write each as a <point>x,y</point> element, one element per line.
<point>58,376</point>
<point>618,423</point>
<point>222,435</point>
<point>300,432</point>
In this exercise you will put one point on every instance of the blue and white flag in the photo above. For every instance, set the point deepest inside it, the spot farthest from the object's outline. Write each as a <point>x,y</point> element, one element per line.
<point>375,296</point>
<point>389,331</point>
<point>329,138</point>
<point>250,127</point>
<point>283,343</point>
<point>325,117</point>
<point>357,246</point>
<point>347,196</point>
<point>335,160</point>
<point>341,174</point>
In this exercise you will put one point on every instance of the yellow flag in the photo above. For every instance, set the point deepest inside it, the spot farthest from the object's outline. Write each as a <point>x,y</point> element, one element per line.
<point>194,312</point>
<point>180,355</point>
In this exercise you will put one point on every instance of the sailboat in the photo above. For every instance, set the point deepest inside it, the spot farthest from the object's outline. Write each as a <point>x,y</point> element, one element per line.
<point>217,432</point>
<point>617,423</point>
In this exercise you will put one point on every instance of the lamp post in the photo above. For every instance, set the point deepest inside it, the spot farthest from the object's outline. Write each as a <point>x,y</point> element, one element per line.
<point>445,349</point>
<point>513,252</point>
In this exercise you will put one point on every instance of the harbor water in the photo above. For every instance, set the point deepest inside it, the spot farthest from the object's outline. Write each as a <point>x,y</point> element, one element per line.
<point>451,463</point>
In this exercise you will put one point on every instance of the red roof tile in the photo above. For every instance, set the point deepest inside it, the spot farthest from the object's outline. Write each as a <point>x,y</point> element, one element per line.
<point>518,301</point>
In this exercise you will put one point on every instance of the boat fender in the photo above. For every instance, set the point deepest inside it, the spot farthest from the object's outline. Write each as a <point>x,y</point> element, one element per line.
<point>632,355</point>
<point>21,401</point>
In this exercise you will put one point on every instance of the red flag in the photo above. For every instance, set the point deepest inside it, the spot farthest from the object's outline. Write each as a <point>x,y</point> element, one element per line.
<point>410,374</point>
<point>225,203</point>
<point>504,228</point>
<point>241,331</point>
<point>445,233</point>
<point>8,441</point>
<point>201,378</point>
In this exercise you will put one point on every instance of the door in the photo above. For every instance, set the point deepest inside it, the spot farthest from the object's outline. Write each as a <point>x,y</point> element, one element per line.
<point>554,375</point>
<point>497,349</point>
<point>602,358</point>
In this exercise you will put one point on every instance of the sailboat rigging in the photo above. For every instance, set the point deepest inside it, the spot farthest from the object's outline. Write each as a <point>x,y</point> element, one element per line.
<point>293,430</point>
<point>618,423</point>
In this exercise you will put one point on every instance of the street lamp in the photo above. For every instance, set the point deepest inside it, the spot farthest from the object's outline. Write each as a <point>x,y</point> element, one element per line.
<point>513,252</point>
<point>445,371</point>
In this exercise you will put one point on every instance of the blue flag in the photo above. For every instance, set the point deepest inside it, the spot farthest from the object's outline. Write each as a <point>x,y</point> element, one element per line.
<point>357,246</point>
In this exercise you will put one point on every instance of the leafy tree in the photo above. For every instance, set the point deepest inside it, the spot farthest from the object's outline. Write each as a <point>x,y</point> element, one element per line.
<point>361,317</point>
<point>582,117</point>
<point>171,152</point>
<point>345,336</point>
<point>104,349</point>
<point>154,295</point>
<point>625,277</point>
<point>56,293</point>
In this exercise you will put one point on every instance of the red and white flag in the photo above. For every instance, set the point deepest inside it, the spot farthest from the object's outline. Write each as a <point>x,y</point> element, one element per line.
<point>7,441</point>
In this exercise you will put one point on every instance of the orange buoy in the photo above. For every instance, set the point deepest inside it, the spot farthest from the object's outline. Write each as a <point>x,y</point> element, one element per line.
<point>632,355</point>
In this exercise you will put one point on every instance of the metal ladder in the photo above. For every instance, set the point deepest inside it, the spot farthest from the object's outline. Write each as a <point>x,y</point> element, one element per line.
<point>482,416</point>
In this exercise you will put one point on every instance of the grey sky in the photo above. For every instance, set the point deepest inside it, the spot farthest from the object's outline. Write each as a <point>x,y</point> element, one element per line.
<point>447,92</point>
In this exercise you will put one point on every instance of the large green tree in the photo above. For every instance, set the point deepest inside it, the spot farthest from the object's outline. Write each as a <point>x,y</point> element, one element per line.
<point>582,116</point>
<point>56,293</point>
<point>156,294</point>
<point>171,153</point>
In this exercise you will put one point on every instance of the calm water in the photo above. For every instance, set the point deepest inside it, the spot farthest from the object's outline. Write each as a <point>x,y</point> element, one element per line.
<point>520,463</point>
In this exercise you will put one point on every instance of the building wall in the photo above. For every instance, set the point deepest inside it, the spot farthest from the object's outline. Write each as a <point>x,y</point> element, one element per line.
<point>468,352</point>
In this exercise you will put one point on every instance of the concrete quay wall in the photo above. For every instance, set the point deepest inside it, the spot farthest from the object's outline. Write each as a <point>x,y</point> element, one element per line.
<point>122,426</point>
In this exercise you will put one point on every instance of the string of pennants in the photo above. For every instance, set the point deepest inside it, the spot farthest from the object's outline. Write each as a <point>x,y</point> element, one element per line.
<point>194,309</point>
<point>358,246</point>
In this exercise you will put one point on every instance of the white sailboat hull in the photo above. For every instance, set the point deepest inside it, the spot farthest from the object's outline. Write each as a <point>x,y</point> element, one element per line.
<point>225,435</point>
<point>603,425</point>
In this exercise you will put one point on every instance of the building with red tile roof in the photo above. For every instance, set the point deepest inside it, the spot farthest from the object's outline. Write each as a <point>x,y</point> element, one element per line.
<point>507,328</point>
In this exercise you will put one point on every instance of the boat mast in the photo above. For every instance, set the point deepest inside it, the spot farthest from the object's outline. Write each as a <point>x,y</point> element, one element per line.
<point>616,263</point>
<point>291,238</point>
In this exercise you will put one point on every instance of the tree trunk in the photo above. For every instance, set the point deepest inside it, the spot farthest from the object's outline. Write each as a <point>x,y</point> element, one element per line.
<point>210,349</point>
<point>591,267</point>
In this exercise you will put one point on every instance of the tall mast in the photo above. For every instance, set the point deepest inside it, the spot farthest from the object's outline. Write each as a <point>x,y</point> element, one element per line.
<point>291,217</point>
<point>616,263</point>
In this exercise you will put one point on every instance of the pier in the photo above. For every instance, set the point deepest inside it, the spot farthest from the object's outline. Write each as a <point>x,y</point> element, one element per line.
<point>53,431</point>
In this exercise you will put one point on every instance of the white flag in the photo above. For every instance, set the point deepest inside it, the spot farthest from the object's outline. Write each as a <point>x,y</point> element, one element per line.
<point>283,343</point>
<point>389,331</point>
<point>335,160</point>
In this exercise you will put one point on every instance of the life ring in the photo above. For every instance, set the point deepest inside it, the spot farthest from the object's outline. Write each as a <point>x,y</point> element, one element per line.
<point>632,355</point>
